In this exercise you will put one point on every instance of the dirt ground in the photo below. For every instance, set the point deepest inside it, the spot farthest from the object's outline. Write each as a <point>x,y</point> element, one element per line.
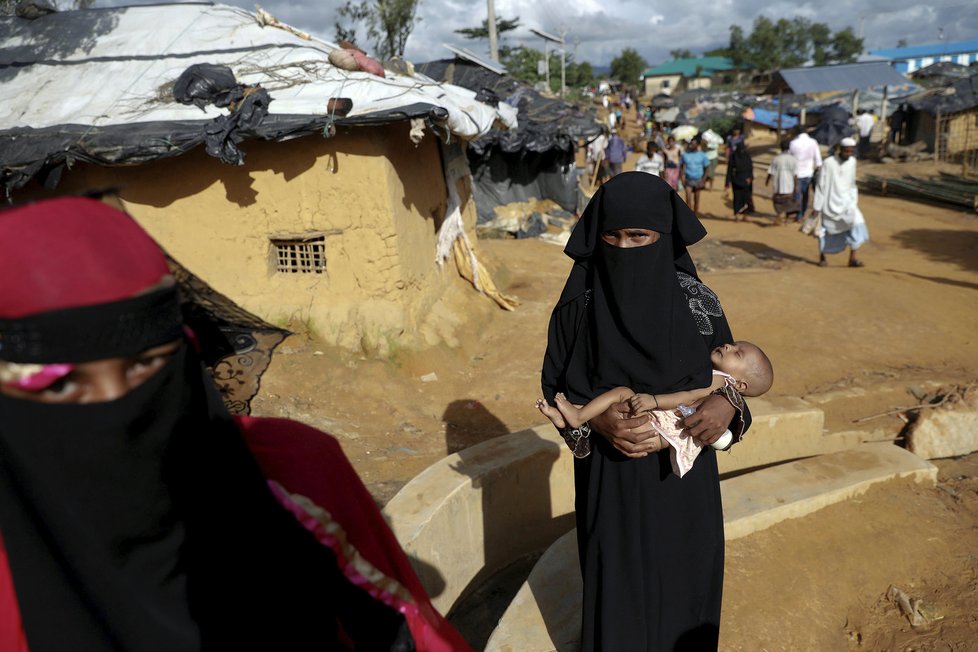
<point>853,341</point>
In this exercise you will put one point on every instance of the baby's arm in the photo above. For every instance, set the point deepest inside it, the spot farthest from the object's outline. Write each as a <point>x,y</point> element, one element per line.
<point>575,416</point>
<point>675,399</point>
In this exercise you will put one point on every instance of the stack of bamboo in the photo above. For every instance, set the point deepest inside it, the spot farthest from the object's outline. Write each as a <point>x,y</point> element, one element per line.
<point>946,188</point>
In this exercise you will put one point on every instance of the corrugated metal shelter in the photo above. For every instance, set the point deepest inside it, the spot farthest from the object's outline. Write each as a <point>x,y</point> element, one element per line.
<point>842,77</point>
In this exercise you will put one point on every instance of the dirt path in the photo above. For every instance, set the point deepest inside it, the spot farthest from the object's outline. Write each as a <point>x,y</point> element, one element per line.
<point>852,340</point>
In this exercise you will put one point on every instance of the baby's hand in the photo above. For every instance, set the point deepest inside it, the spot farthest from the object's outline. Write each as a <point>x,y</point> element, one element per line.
<point>641,403</point>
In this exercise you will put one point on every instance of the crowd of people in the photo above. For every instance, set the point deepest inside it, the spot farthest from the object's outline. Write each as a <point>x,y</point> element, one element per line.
<point>690,166</point>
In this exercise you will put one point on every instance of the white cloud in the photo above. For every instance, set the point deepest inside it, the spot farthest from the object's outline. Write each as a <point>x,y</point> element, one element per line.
<point>602,30</point>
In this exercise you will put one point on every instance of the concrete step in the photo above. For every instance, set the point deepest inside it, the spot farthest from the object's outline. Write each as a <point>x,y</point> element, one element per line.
<point>524,482</point>
<point>545,614</point>
<point>473,513</point>
<point>783,428</point>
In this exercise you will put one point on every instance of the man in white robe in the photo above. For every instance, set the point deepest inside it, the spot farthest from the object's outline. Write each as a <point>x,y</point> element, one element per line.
<point>836,199</point>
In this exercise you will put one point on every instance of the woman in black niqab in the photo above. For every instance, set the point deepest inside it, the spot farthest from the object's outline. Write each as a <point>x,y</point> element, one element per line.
<point>650,543</point>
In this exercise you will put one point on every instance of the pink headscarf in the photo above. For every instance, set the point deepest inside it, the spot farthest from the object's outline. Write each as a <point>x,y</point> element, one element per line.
<point>52,256</point>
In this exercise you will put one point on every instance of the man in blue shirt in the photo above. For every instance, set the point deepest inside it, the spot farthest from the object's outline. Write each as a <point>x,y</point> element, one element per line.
<point>692,170</point>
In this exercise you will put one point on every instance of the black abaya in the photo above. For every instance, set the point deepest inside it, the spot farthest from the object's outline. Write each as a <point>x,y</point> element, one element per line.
<point>650,543</point>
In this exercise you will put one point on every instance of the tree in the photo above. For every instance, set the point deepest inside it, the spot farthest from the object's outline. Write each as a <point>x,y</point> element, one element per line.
<point>521,62</point>
<point>388,23</point>
<point>627,67</point>
<point>502,25</point>
<point>737,52</point>
<point>764,45</point>
<point>821,37</point>
<point>579,74</point>
<point>681,53</point>
<point>846,46</point>
<point>795,41</point>
<point>789,44</point>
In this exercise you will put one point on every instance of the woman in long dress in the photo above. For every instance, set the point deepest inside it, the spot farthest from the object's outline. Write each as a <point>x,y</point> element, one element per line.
<point>633,313</point>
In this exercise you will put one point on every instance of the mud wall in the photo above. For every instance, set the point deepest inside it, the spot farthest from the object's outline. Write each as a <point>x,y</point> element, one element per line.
<point>374,197</point>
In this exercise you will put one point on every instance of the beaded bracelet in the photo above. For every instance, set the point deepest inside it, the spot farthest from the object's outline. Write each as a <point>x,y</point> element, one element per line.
<point>578,440</point>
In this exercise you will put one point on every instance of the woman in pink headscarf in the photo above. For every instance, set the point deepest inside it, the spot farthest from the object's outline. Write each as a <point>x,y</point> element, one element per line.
<point>135,512</point>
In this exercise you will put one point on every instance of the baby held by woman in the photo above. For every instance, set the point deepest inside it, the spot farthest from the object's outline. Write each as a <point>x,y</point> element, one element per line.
<point>742,366</point>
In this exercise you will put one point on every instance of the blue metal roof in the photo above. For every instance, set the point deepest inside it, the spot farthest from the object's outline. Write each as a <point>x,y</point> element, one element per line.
<point>931,50</point>
<point>843,77</point>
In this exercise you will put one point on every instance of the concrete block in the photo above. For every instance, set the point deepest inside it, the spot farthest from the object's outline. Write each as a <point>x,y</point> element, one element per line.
<point>945,433</point>
<point>756,501</point>
<point>475,512</point>
<point>783,428</point>
<point>545,614</point>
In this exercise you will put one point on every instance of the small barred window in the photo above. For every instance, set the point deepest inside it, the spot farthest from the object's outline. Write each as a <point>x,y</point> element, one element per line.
<point>300,255</point>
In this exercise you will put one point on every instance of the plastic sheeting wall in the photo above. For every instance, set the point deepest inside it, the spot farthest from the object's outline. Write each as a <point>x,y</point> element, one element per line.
<point>502,178</point>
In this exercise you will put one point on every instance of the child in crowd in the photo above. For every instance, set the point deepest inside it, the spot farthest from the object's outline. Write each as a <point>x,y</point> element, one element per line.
<point>741,365</point>
<point>672,154</point>
<point>693,166</point>
<point>652,161</point>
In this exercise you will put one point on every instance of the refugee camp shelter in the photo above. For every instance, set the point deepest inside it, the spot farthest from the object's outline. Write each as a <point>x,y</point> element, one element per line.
<point>536,159</point>
<point>912,58</point>
<point>851,77</point>
<point>946,118</point>
<point>311,195</point>
<point>681,75</point>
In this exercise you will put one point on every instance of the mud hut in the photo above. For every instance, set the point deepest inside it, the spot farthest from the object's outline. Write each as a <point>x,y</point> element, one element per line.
<point>310,194</point>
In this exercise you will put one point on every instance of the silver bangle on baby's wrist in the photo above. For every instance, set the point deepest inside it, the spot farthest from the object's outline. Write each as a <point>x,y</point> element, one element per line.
<point>578,439</point>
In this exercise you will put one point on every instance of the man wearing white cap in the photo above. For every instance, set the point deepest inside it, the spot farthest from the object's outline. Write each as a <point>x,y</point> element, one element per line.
<point>836,198</point>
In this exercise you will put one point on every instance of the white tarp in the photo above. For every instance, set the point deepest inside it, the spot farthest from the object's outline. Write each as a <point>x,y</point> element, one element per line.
<point>115,66</point>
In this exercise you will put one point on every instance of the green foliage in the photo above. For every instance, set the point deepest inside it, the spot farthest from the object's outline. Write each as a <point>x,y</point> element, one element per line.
<point>579,75</point>
<point>627,67</point>
<point>722,125</point>
<point>388,23</point>
<point>821,37</point>
<point>789,43</point>
<point>846,46</point>
<point>681,53</point>
<point>522,63</point>
<point>503,25</point>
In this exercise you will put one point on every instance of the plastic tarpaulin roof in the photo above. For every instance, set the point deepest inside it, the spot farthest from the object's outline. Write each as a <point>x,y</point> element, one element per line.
<point>97,85</point>
<point>544,123</point>
<point>769,118</point>
<point>847,76</point>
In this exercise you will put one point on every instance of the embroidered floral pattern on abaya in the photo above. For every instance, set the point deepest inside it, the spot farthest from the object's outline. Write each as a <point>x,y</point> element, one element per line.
<point>703,302</point>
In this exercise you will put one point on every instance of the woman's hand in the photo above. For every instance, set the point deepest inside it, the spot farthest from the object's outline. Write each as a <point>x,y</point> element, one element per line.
<point>631,436</point>
<point>712,417</point>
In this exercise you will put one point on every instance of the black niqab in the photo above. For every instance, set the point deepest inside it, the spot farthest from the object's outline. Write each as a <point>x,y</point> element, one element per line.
<point>640,332</point>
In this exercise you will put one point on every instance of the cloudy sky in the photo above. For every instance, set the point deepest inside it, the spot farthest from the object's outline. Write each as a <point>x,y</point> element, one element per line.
<point>600,31</point>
